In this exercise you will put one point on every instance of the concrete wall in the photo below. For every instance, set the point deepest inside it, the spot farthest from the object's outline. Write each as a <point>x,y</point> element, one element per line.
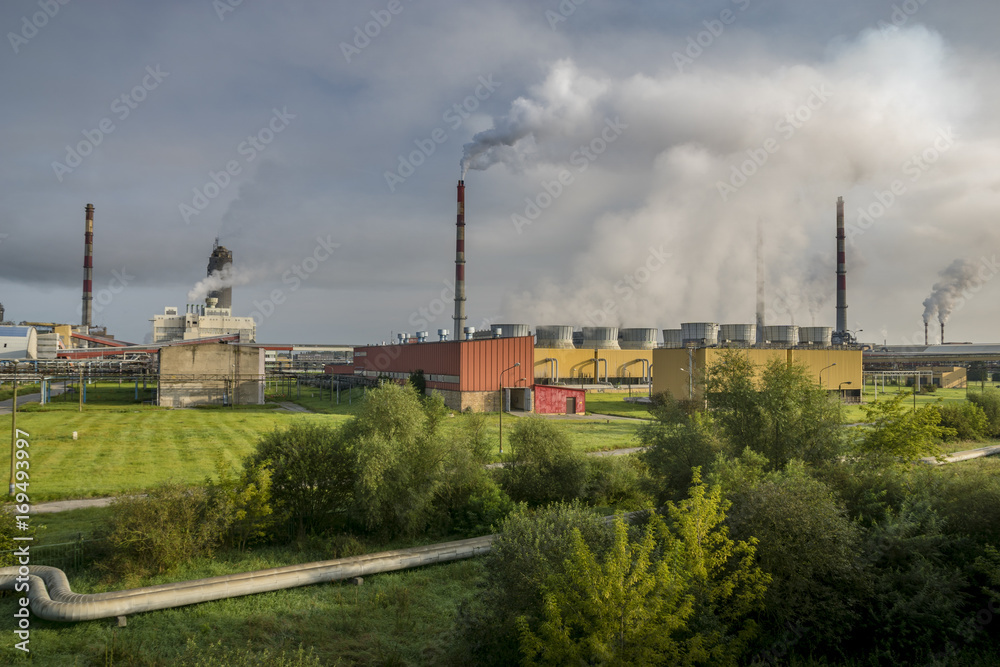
<point>211,374</point>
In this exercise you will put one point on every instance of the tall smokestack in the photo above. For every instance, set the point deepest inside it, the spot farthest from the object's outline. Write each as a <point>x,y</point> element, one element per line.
<point>926,337</point>
<point>760,282</point>
<point>88,269</point>
<point>460,265</point>
<point>942,333</point>
<point>841,275</point>
<point>217,262</point>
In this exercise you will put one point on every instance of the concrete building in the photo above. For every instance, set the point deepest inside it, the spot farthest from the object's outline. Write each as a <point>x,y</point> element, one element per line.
<point>211,374</point>
<point>221,261</point>
<point>201,322</point>
<point>18,343</point>
<point>681,371</point>
<point>551,400</point>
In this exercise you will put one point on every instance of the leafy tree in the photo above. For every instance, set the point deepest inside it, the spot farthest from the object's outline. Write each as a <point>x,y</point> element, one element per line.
<point>529,549</point>
<point>966,419</point>
<point>989,402</point>
<point>895,433</point>
<point>805,542</point>
<point>622,609</point>
<point>419,381</point>
<point>312,475</point>
<point>242,502</point>
<point>541,465</point>
<point>726,584</point>
<point>674,444</point>
<point>783,414</point>
<point>399,460</point>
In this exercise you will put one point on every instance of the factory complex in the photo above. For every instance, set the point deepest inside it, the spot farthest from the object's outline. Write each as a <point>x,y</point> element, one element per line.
<point>208,354</point>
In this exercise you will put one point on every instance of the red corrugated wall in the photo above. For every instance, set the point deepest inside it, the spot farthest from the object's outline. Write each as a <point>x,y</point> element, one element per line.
<point>478,363</point>
<point>552,400</point>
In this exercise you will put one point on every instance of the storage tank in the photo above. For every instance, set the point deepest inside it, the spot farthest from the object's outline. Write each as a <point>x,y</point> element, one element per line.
<point>557,336</point>
<point>673,338</point>
<point>637,339</point>
<point>600,338</point>
<point>785,334</point>
<point>700,333</point>
<point>738,333</point>
<point>509,330</point>
<point>816,336</point>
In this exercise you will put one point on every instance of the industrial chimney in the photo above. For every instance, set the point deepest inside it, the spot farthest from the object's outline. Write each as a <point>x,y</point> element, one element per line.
<point>760,283</point>
<point>88,270</point>
<point>926,339</point>
<point>842,333</point>
<point>460,266</point>
<point>942,333</point>
<point>217,261</point>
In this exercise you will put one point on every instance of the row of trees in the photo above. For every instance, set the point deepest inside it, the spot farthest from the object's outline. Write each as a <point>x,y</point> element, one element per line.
<point>838,547</point>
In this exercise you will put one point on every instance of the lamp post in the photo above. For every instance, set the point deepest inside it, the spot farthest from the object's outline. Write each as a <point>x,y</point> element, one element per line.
<point>841,389</point>
<point>690,383</point>
<point>501,401</point>
<point>821,374</point>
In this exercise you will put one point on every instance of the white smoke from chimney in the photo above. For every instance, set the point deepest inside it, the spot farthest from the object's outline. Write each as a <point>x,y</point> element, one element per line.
<point>960,277</point>
<point>219,279</point>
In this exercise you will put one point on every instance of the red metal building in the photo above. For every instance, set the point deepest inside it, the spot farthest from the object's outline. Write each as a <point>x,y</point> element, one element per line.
<point>467,373</point>
<point>553,400</point>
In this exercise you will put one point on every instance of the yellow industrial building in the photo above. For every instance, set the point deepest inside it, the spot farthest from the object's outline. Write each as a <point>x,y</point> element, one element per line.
<point>681,371</point>
<point>588,366</point>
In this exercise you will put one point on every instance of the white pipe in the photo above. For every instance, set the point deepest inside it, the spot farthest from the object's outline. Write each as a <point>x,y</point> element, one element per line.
<point>52,599</point>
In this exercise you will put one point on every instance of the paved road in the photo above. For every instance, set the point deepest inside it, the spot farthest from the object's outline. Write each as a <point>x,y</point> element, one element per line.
<point>7,406</point>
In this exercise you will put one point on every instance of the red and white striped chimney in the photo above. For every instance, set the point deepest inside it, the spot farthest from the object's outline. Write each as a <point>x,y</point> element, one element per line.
<point>460,265</point>
<point>88,269</point>
<point>842,332</point>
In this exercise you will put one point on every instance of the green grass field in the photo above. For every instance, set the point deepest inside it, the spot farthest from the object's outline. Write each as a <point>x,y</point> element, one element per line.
<point>615,404</point>
<point>855,413</point>
<point>394,618</point>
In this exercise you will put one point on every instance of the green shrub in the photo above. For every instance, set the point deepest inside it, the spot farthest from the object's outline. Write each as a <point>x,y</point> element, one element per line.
<point>619,481</point>
<point>312,476</point>
<point>529,548</point>
<point>156,531</point>
<point>989,402</point>
<point>541,465</point>
<point>242,502</point>
<point>675,444</point>
<point>967,419</point>
<point>483,510</point>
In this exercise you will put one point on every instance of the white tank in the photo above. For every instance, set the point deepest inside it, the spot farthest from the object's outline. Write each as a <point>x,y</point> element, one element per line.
<point>600,338</point>
<point>557,336</point>
<point>738,333</point>
<point>673,338</point>
<point>817,336</point>
<point>637,339</point>
<point>700,333</point>
<point>784,334</point>
<point>509,330</point>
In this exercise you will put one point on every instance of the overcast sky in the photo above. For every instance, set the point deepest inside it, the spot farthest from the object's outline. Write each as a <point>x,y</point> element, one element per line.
<point>625,154</point>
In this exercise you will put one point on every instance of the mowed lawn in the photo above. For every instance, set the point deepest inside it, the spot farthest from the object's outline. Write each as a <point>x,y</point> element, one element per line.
<point>138,448</point>
<point>855,413</point>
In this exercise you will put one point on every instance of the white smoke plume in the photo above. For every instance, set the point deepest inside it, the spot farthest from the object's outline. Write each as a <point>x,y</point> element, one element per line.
<point>703,155</point>
<point>219,279</point>
<point>959,278</point>
<point>565,103</point>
